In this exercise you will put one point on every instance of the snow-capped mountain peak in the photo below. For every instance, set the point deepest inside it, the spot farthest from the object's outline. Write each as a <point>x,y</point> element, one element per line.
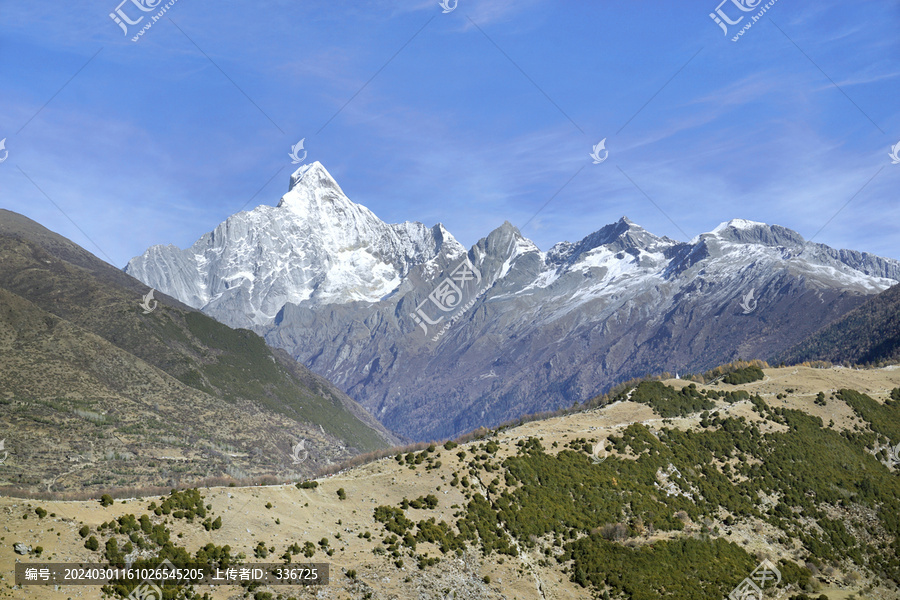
<point>316,245</point>
<point>738,224</point>
<point>318,175</point>
<point>315,196</point>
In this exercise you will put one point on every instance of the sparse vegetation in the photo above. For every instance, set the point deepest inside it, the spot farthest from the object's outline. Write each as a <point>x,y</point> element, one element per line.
<point>624,527</point>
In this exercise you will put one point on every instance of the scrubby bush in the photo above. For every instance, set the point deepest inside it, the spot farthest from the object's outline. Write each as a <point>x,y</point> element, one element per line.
<point>745,375</point>
<point>260,551</point>
<point>667,401</point>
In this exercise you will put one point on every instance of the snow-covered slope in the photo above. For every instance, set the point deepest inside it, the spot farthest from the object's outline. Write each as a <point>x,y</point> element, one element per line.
<point>436,340</point>
<point>316,245</point>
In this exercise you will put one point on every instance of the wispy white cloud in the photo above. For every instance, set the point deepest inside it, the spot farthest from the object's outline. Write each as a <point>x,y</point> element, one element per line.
<point>155,145</point>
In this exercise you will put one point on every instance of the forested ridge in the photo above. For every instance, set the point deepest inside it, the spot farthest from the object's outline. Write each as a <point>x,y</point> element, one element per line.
<point>867,335</point>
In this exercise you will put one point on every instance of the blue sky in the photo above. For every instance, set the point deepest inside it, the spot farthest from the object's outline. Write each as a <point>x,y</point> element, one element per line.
<point>473,117</point>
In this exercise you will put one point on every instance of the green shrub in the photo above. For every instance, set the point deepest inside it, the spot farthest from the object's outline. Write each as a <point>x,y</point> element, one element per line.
<point>260,551</point>
<point>667,401</point>
<point>309,549</point>
<point>745,375</point>
<point>394,519</point>
<point>112,551</point>
<point>185,504</point>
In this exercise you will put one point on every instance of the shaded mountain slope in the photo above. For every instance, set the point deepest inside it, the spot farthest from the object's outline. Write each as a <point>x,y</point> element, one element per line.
<point>868,334</point>
<point>94,392</point>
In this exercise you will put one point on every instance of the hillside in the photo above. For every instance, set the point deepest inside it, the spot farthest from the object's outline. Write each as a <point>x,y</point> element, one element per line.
<point>616,502</point>
<point>869,334</point>
<point>94,393</point>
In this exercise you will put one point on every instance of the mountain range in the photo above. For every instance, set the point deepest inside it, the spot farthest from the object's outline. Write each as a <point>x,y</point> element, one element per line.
<point>435,339</point>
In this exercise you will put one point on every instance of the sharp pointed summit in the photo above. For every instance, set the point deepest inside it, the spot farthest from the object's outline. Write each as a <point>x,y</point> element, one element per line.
<point>314,176</point>
<point>316,245</point>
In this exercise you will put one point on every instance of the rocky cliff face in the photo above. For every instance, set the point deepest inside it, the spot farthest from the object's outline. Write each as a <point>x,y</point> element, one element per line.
<point>435,340</point>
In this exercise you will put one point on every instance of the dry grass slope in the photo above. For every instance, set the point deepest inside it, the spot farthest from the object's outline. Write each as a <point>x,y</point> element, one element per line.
<point>301,515</point>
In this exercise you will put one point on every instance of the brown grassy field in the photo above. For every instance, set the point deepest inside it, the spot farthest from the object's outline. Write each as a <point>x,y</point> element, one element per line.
<point>309,515</point>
